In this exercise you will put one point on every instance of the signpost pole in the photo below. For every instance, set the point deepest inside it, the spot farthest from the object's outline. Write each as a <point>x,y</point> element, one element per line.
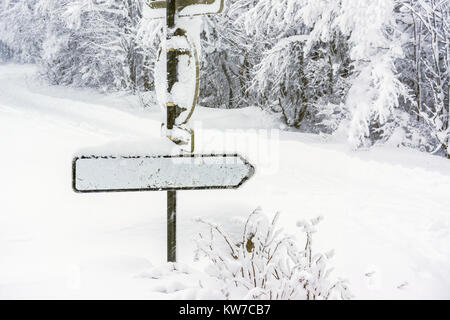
<point>171,64</point>
<point>171,115</point>
<point>171,226</point>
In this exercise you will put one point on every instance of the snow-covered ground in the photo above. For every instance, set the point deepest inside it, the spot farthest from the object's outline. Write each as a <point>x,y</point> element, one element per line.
<point>387,211</point>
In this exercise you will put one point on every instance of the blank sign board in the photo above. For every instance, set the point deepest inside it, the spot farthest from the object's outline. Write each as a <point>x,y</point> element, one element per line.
<point>157,8</point>
<point>159,173</point>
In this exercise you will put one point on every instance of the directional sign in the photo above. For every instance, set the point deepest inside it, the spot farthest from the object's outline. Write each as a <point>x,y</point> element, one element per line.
<point>160,173</point>
<point>156,9</point>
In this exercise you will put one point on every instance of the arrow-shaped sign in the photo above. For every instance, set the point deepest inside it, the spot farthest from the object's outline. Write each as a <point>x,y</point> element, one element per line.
<point>159,173</point>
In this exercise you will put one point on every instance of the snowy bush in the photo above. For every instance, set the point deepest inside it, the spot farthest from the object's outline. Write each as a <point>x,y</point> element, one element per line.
<point>266,264</point>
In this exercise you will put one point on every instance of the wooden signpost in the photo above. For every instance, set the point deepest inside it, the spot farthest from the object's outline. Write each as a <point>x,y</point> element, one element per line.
<point>169,173</point>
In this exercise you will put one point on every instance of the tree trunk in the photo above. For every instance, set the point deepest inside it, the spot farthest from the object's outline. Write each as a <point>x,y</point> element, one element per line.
<point>417,29</point>
<point>230,84</point>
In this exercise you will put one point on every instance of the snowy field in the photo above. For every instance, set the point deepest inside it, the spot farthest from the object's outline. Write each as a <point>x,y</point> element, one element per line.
<point>387,210</point>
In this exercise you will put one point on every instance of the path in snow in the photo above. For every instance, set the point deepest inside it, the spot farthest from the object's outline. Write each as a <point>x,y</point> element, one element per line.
<point>387,211</point>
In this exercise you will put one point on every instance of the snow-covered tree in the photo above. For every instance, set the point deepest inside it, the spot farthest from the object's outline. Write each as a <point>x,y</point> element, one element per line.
<point>227,58</point>
<point>300,73</point>
<point>22,30</point>
<point>429,47</point>
<point>5,52</point>
<point>93,43</point>
<point>374,43</point>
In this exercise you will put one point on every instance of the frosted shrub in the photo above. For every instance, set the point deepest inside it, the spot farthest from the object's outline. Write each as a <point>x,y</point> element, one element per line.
<point>267,264</point>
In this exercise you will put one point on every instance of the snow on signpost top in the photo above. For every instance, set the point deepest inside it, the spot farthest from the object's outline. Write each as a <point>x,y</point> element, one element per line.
<point>156,9</point>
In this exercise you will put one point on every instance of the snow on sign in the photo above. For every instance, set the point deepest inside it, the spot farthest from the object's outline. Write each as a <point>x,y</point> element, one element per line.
<point>160,173</point>
<point>156,9</point>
